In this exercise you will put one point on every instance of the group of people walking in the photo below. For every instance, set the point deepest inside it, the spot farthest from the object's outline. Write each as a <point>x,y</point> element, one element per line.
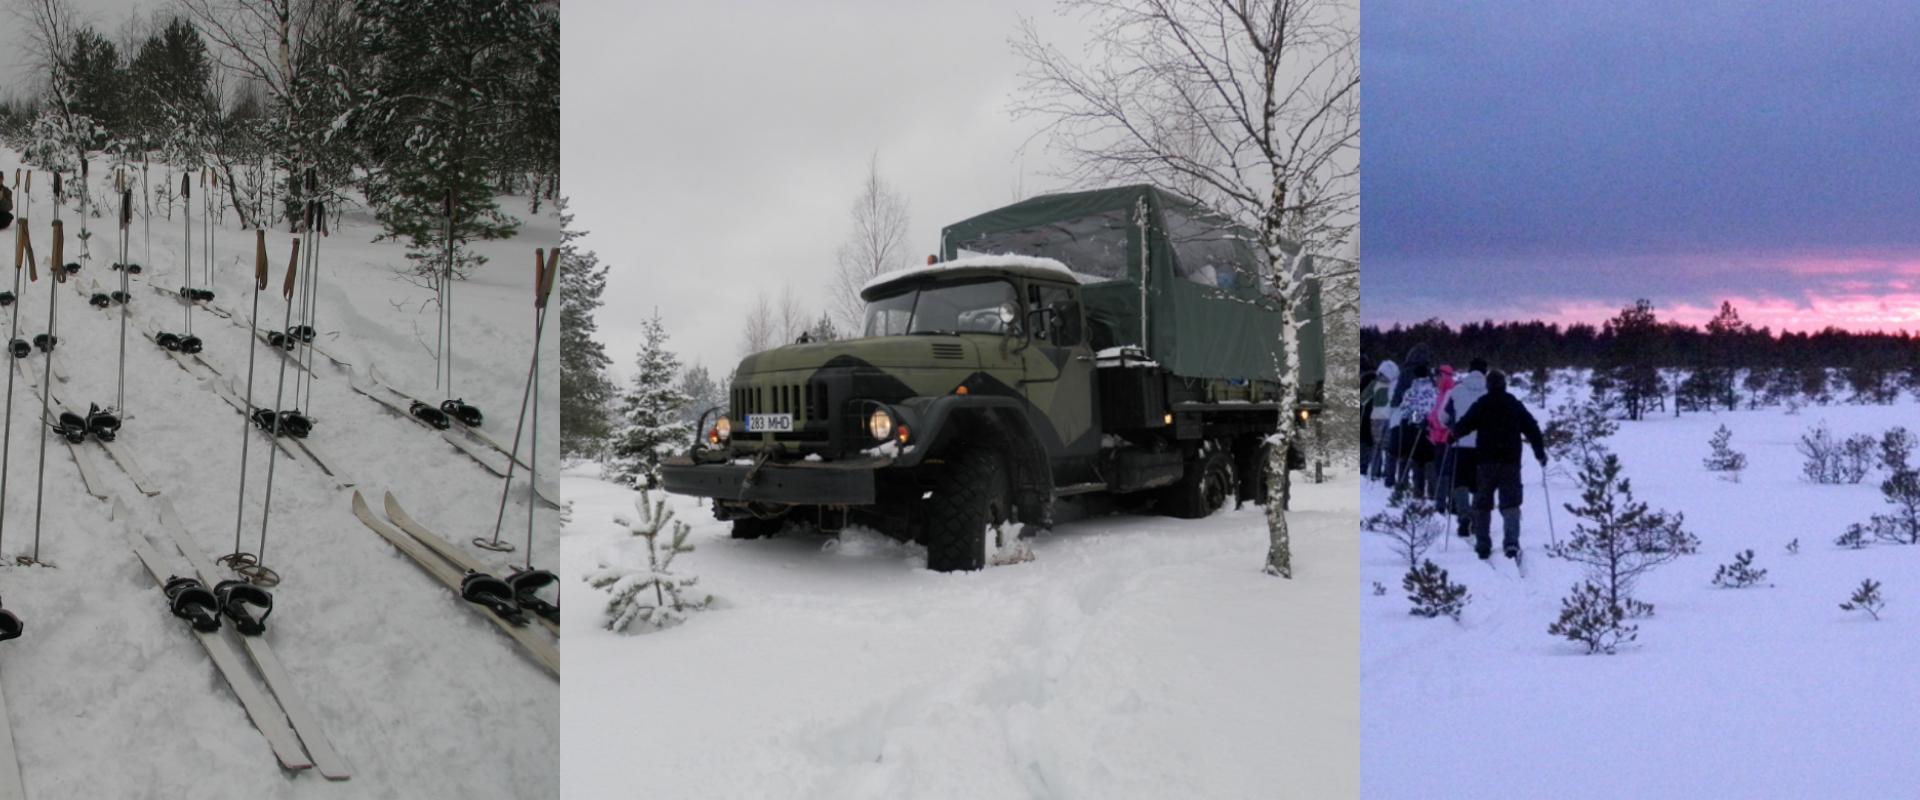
<point>1455,440</point>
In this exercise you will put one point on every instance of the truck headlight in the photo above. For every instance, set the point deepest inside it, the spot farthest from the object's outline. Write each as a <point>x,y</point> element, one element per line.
<point>880,424</point>
<point>722,430</point>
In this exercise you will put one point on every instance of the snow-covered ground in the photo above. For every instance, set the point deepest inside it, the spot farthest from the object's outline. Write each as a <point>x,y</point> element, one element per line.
<point>1769,691</point>
<point>109,696</point>
<point>1134,657</point>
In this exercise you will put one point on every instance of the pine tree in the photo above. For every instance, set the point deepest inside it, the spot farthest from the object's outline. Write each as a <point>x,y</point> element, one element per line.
<point>585,389</point>
<point>650,412</point>
<point>1589,618</point>
<point>1866,598</point>
<point>1739,574</point>
<point>1618,538</point>
<point>1432,593</point>
<point>655,594</point>
<point>702,392</point>
<point>434,113</point>
<point>1723,457</point>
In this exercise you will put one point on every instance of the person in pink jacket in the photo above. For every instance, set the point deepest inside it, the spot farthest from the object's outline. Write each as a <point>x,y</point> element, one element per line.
<point>1441,482</point>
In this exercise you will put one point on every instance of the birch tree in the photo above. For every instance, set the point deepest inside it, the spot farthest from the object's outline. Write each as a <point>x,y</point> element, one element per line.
<point>1252,106</point>
<point>876,243</point>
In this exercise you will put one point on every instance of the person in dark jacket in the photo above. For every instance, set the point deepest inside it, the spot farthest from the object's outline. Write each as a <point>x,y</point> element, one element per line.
<point>1366,424</point>
<point>1399,443</point>
<point>1501,421</point>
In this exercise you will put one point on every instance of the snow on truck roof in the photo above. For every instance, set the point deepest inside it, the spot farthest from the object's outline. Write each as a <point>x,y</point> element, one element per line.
<point>1030,266</point>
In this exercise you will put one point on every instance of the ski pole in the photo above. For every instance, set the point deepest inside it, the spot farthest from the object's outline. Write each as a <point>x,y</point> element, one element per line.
<point>22,251</point>
<point>447,304</point>
<point>240,558</point>
<point>46,381</point>
<point>258,573</point>
<point>545,288</point>
<point>186,257</point>
<point>1547,492</point>
<point>540,261</point>
<point>126,294</point>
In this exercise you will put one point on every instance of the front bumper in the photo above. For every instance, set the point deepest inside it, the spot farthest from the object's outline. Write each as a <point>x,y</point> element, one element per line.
<point>844,483</point>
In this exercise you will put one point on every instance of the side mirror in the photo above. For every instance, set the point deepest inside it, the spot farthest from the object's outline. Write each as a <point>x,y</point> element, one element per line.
<point>1043,321</point>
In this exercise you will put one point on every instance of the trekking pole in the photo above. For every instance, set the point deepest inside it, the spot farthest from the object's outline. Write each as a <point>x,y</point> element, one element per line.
<point>46,380</point>
<point>543,265</point>
<point>240,558</point>
<point>22,255</point>
<point>258,573</point>
<point>311,330</point>
<point>440,296</point>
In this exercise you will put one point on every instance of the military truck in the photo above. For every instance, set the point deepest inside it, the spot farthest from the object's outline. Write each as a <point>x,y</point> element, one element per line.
<point>1110,346</point>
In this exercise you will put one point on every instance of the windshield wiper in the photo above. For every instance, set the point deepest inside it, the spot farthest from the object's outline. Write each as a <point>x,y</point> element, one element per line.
<point>932,333</point>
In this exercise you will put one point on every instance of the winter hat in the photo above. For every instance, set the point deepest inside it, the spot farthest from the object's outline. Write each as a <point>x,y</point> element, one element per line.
<point>1496,382</point>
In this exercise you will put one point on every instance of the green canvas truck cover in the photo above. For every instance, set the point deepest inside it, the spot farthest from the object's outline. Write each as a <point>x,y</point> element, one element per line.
<point>1206,314</point>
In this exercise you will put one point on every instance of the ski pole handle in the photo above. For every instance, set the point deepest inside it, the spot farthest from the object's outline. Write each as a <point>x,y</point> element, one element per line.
<point>26,240</point>
<point>126,208</point>
<point>59,246</point>
<point>186,185</point>
<point>539,273</point>
<point>57,195</point>
<point>293,265</point>
<point>553,271</point>
<point>19,245</point>
<point>259,259</point>
<point>29,181</point>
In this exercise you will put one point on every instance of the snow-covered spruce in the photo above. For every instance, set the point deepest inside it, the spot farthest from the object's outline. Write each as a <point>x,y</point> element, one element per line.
<point>1432,594</point>
<point>653,594</point>
<point>1866,597</point>
<point>1588,618</point>
<point>1739,574</point>
<point>1413,525</point>
<point>650,426</point>
<point>1723,458</point>
<point>1618,538</point>
<point>1853,538</point>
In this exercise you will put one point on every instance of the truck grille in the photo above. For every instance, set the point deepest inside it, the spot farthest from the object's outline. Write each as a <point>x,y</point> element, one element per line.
<point>806,402</point>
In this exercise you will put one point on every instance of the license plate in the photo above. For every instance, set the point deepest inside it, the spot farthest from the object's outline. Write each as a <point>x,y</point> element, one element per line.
<point>775,423</point>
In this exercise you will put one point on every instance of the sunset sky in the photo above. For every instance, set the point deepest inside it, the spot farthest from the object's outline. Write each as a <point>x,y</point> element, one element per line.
<point>1521,162</point>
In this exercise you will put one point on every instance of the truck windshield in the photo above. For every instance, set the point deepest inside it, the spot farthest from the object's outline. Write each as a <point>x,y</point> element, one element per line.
<point>942,308</point>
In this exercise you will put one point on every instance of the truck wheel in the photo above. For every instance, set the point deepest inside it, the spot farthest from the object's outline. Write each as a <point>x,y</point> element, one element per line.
<point>1204,488</point>
<point>757,528</point>
<point>968,497</point>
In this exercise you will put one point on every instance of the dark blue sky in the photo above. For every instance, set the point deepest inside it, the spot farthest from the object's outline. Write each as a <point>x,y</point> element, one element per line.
<point>1520,160</point>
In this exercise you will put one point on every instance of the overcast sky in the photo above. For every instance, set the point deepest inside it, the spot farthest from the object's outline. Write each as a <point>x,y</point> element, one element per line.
<point>1560,160</point>
<point>714,149</point>
<point>106,16</point>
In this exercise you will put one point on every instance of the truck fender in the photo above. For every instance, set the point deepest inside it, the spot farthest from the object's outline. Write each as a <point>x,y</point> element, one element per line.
<point>951,419</point>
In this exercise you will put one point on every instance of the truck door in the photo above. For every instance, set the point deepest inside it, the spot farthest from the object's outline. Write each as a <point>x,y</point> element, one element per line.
<point>1059,380</point>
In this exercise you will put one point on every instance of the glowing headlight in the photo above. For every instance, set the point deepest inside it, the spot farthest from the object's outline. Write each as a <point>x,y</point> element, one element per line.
<point>723,428</point>
<point>880,424</point>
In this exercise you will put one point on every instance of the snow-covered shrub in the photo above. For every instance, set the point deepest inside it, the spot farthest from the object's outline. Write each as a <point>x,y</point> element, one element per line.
<point>1723,458</point>
<point>1896,451</point>
<point>1856,457</point>
<point>1866,598</point>
<point>1853,538</point>
<point>1901,525</point>
<point>1431,594</point>
<point>1823,455</point>
<point>653,594</point>
<point>1575,432</point>
<point>1739,574</point>
<point>1619,539</point>
<point>1412,523</point>
<point>1588,618</point>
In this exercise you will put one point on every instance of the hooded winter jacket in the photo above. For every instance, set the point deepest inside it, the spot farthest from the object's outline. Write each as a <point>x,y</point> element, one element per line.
<point>1418,402</point>
<point>1382,398</point>
<point>1471,388</point>
<point>1501,420</point>
<point>1417,356</point>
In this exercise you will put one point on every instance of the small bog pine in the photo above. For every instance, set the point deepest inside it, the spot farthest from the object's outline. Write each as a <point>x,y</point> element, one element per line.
<point>1739,574</point>
<point>1866,598</point>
